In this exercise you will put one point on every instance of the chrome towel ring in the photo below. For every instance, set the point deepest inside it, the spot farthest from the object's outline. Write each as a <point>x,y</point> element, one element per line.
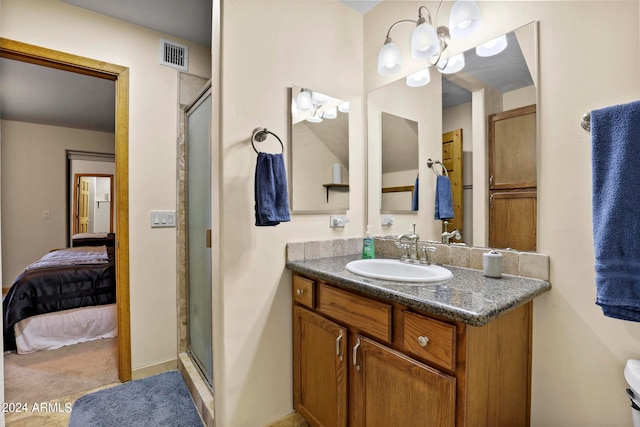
<point>260,134</point>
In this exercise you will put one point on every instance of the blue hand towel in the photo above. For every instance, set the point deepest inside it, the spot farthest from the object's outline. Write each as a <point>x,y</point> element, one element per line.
<point>444,204</point>
<point>272,197</point>
<point>414,196</point>
<point>615,159</point>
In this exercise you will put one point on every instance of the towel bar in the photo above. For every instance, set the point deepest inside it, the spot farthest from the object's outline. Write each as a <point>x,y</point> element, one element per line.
<point>430,164</point>
<point>260,134</point>
<point>586,122</point>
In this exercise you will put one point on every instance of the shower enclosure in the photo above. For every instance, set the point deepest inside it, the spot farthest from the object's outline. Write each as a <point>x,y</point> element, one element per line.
<point>198,223</point>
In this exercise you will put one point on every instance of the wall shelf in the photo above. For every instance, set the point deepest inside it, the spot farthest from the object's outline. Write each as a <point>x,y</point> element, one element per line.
<point>397,189</point>
<point>343,187</point>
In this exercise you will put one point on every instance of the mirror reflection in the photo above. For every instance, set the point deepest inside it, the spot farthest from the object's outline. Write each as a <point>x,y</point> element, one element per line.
<point>318,152</point>
<point>399,163</point>
<point>496,89</point>
<point>93,212</point>
<point>484,133</point>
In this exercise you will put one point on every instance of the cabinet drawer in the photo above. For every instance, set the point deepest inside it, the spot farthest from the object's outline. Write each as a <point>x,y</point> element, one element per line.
<point>303,291</point>
<point>370,317</point>
<point>430,340</point>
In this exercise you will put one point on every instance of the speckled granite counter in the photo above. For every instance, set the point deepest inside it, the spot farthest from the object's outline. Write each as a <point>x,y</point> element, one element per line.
<point>468,297</point>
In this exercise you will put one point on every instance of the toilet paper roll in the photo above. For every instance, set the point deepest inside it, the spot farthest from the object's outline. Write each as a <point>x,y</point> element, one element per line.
<point>337,173</point>
<point>492,264</point>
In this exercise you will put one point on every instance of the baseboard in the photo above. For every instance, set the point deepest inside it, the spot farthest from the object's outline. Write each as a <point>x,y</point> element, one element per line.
<point>294,419</point>
<point>148,371</point>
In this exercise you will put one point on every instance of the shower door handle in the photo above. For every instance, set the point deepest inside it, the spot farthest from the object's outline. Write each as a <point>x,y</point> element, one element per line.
<point>207,238</point>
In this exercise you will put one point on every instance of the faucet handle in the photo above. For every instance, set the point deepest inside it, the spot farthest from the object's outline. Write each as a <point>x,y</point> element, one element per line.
<point>414,227</point>
<point>424,253</point>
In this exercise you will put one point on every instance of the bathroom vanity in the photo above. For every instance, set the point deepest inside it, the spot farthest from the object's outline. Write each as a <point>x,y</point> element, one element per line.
<point>381,353</point>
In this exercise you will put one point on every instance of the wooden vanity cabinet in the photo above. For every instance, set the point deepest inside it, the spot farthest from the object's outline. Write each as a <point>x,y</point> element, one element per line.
<point>363,362</point>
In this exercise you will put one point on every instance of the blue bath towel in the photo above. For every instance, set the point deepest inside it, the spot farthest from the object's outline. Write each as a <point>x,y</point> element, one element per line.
<point>444,204</point>
<point>615,158</point>
<point>414,196</point>
<point>272,197</point>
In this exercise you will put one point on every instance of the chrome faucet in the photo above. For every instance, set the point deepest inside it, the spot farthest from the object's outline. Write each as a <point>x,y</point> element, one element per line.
<point>413,252</point>
<point>446,236</point>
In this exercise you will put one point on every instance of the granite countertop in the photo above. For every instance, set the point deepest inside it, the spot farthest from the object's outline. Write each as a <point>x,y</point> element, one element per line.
<point>468,297</point>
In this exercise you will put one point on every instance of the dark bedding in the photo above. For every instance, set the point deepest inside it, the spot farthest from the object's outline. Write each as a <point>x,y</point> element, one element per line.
<point>93,239</point>
<point>49,288</point>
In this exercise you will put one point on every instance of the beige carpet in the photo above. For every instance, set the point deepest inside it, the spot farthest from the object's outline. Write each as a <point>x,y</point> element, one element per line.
<point>46,375</point>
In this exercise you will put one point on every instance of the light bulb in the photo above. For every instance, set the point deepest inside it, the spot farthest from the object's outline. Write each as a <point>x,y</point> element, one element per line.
<point>304,101</point>
<point>464,19</point>
<point>492,47</point>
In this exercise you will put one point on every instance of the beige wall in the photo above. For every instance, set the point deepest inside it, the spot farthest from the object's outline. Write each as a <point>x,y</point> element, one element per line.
<point>314,167</point>
<point>34,179</point>
<point>268,47</point>
<point>579,354</point>
<point>152,148</point>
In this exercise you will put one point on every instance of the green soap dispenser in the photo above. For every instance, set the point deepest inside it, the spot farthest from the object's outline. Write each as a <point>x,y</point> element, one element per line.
<point>368,249</point>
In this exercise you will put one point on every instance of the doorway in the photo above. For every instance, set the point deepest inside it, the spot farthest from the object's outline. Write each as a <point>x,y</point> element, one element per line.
<point>120,75</point>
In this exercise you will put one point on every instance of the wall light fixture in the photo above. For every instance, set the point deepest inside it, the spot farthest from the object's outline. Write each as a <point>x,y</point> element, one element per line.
<point>428,41</point>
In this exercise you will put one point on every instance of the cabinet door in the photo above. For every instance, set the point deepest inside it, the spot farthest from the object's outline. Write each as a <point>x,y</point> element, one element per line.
<point>319,369</point>
<point>512,220</point>
<point>391,389</point>
<point>512,149</point>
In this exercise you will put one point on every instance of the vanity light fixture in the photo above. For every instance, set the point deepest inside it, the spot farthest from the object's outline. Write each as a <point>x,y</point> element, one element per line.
<point>344,107</point>
<point>492,47</point>
<point>451,65</point>
<point>316,106</point>
<point>303,100</point>
<point>428,41</point>
<point>419,78</point>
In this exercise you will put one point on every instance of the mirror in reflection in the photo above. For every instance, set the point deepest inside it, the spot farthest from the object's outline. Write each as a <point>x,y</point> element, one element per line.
<point>318,152</point>
<point>93,212</point>
<point>399,163</point>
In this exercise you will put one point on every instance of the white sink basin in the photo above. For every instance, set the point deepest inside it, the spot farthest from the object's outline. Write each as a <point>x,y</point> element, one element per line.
<point>392,269</point>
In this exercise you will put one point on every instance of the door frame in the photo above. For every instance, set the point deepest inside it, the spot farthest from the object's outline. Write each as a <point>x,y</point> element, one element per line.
<point>24,52</point>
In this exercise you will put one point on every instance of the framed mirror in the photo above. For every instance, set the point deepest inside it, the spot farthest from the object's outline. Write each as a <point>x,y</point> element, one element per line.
<point>318,152</point>
<point>92,203</point>
<point>484,106</point>
<point>399,145</point>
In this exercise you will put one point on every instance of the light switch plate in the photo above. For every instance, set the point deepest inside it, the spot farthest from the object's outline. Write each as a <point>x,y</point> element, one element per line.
<point>163,219</point>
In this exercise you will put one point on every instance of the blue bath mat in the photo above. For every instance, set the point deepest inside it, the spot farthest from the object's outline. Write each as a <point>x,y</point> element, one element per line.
<point>160,400</point>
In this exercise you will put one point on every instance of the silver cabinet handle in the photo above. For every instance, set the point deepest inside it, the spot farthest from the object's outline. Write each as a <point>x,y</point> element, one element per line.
<point>423,341</point>
<point>300,291</point>
<point>490,181</point>
<point>355,354</point>
<point>338,352</point>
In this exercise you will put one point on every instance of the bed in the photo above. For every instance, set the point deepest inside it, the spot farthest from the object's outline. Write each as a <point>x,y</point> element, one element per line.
<point>67,296</point>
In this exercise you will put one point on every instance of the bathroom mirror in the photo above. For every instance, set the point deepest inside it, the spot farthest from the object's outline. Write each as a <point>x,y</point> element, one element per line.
<point>318,152</point>
<point>464,102</point>
<point>399,145</point>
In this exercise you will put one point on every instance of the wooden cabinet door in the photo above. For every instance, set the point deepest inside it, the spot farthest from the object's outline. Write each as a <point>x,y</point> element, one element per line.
<point>391,389</point>
<point>320,369</point>
<point>452,156</point>
<point>512,220</point>
<point>512,149</point>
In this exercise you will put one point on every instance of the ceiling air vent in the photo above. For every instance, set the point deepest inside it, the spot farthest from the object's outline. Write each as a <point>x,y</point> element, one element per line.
<point>174,55</point>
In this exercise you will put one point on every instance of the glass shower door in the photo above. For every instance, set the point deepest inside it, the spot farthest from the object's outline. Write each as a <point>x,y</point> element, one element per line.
<point>198,167</point>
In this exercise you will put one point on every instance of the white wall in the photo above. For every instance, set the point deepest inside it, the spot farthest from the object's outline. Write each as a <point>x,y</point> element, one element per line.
<point>152,148</point>
<point>268,47</point>
<point>578,354</point>
<point>34,180</point>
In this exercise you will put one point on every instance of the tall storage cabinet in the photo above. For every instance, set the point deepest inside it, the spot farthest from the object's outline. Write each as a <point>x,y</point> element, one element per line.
<point>513,179</point>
